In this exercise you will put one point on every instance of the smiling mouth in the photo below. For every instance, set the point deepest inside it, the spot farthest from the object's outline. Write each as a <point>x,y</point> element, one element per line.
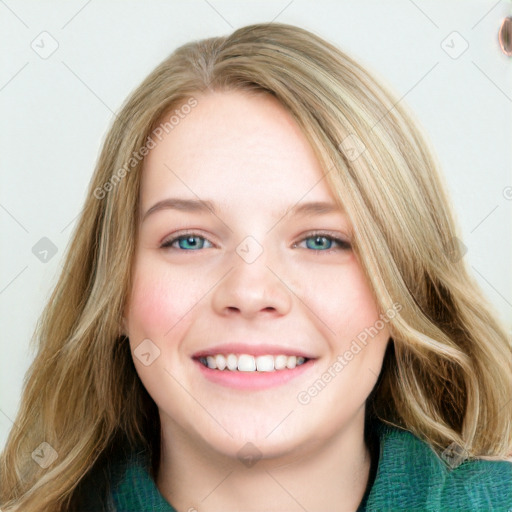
<point>250,363</point>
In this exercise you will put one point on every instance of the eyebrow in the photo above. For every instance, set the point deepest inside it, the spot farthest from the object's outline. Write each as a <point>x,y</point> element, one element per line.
<point>207,206</point>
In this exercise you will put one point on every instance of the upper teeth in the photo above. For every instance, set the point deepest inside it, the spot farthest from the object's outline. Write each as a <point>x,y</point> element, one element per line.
<point>248,363</point>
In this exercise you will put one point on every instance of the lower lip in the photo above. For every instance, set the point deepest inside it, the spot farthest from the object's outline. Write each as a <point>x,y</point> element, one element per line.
<point>253,380</point>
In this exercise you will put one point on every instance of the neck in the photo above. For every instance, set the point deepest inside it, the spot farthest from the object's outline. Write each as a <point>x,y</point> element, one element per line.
<point>324,475</point>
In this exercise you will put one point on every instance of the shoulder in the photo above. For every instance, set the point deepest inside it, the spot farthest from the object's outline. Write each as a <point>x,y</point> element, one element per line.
<point>133,488</point>
<point>121,484</point>
<point>411,476</point>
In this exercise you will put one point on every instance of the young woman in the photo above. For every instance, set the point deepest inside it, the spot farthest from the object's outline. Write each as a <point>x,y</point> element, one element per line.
<point>263,306</point>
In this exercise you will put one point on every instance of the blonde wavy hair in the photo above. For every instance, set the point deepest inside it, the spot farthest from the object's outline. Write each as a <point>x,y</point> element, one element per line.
<point>448,374</point>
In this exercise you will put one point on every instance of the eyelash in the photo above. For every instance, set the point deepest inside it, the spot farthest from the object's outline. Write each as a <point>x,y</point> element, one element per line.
<point>343,244</point>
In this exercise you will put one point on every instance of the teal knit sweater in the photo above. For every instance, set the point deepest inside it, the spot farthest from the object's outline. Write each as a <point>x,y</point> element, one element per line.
<point>409,477</point>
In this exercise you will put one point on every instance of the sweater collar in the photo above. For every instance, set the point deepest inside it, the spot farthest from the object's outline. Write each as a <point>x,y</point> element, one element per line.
<point>409,475</point>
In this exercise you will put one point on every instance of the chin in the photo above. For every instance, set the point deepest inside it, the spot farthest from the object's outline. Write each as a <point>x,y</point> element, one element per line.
<point>250,450</point>
<point>253,439</point>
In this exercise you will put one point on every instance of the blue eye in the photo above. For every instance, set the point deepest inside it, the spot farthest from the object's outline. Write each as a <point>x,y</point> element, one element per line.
<point>322,242</point>
<point>186,242</point>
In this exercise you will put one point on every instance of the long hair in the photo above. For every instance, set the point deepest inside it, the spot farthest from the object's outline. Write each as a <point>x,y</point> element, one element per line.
<point>448,377</point>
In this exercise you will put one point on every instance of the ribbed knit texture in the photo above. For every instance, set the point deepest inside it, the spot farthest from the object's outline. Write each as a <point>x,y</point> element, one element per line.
<point>410,477</point>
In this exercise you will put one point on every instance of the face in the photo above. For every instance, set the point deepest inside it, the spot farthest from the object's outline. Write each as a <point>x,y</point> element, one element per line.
<point>252,278</point>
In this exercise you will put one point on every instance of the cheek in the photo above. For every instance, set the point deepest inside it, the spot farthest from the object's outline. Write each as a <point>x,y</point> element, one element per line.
<point>343,300</point>
<point>159,300</point>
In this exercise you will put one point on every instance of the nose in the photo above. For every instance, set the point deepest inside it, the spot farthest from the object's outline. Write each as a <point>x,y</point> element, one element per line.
<point>252,289</point>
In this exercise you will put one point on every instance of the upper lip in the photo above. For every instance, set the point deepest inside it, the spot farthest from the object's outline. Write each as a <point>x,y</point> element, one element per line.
<point>259,349</point>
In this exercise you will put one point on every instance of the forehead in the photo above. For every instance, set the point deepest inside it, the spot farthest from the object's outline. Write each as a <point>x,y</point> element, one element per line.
<point>234,147</point>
